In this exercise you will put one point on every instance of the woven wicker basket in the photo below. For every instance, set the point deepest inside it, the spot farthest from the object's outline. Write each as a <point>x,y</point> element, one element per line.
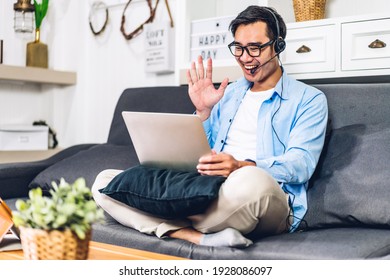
<point>53,245</point>
<point>309,9</point>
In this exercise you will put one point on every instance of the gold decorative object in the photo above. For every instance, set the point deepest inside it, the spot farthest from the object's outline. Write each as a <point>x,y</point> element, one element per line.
<point>309,9</point>
<point>37,52</point>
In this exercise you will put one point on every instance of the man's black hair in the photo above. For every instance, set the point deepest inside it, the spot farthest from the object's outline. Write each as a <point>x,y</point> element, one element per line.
<point>254,14</point>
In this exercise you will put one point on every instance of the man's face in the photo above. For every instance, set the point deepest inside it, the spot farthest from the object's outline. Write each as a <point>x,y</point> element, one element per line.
<point>260,70</point>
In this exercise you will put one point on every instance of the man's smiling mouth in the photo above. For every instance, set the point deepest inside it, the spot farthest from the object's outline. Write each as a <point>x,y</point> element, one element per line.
<point>251,68</point>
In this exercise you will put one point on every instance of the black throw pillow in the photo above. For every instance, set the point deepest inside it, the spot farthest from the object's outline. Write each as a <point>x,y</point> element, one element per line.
<point>164,193</point>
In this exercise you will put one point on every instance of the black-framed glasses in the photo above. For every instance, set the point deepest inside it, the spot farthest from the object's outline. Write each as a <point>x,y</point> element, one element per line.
<point>253,49</point>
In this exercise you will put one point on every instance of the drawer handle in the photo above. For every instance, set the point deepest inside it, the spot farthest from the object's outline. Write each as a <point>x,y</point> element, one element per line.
<point>303,49</point>
<point>377,44</point>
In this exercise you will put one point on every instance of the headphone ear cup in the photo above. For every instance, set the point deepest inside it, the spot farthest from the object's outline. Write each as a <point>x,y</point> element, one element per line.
<point>280,45</point>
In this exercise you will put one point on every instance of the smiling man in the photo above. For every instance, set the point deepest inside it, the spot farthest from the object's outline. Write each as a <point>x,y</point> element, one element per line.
<point>267,132</point>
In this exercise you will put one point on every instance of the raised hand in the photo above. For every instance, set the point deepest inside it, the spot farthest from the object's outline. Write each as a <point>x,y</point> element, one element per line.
<point>201,89</point>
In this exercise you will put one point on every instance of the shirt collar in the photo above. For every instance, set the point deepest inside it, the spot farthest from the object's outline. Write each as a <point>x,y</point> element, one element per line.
<point>282,86</point>
<point>242,85</point>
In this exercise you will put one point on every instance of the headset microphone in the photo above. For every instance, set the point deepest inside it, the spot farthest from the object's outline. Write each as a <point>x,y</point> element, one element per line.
<point>254,69</point>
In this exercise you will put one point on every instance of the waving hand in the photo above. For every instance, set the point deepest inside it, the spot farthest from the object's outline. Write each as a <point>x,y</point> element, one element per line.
<point>201,89</point>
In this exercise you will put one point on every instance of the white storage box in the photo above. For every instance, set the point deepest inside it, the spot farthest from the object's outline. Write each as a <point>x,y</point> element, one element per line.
<point>24,137</point>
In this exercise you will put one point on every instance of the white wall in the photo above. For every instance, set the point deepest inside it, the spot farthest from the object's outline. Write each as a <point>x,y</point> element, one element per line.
<point>105,65</point>
<point>17,99</point>
<point>115,64</point>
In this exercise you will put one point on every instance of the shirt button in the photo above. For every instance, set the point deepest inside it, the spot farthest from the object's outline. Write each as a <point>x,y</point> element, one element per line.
<point>230,120</point>
<point>222,141</point>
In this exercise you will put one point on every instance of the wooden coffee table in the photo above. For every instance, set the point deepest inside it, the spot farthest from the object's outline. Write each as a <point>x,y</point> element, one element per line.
<point>103,251</point>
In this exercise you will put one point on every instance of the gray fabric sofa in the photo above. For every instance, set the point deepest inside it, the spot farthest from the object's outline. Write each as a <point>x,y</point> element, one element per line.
<point>349,194</point>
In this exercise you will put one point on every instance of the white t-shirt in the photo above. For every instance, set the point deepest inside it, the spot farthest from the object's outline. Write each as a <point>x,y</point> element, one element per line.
<point>241,140</point>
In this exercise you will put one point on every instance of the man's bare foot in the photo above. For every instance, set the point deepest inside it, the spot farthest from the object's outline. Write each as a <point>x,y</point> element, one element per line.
<point>188,234</point>
<point>228,237</point>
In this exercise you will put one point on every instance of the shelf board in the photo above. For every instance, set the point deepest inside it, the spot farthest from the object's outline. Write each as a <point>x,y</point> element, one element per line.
<point>26,156</point>
<point>37,75</point>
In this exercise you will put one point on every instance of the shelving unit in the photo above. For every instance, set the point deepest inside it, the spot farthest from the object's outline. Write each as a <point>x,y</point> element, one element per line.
<point>37,75</point>
<point>339,49</point>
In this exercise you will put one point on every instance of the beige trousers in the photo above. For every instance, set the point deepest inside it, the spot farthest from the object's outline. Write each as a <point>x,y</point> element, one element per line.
<point>250,200</point>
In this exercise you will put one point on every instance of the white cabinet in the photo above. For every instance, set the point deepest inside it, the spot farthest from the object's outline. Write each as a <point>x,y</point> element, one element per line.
<point>352,49</point>
<point>310,49</point>
<point>366,45</point>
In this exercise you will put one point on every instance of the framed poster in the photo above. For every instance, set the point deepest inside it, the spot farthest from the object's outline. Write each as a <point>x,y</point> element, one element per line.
<point>159,46</point>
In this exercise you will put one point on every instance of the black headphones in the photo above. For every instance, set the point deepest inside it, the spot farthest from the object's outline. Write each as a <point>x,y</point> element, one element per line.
<point>279,44</point>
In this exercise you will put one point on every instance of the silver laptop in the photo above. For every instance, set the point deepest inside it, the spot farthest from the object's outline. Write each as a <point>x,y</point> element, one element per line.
<point>164,140</point>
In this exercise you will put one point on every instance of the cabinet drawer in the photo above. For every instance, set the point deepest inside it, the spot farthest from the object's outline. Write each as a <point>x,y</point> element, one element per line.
<point>310,49</point>
<point>356,40</point>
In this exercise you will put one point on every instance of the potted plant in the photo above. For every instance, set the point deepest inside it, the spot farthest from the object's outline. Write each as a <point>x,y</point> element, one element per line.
<point>57,226</point>
<point>37,52</point>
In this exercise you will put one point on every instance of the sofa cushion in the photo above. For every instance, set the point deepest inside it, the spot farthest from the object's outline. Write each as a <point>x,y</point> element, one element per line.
<point>321,244</point>
<point>88,164</point>
<point>147,99</point>
<point>164,193</point>
<point>351,186</point>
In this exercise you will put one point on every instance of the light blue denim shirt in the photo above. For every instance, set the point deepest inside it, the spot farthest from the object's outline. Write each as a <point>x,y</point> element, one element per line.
<point>291,130</point>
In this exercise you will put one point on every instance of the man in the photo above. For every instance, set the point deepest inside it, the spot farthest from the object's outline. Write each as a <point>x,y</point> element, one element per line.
<point>267,131</point>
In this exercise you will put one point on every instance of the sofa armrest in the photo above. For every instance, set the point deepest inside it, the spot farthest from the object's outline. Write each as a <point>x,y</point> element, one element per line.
<point>15,177</point>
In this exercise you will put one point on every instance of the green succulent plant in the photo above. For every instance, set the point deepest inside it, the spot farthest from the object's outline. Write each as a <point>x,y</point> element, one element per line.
<point>40,12</point>
<point>69,206</point>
